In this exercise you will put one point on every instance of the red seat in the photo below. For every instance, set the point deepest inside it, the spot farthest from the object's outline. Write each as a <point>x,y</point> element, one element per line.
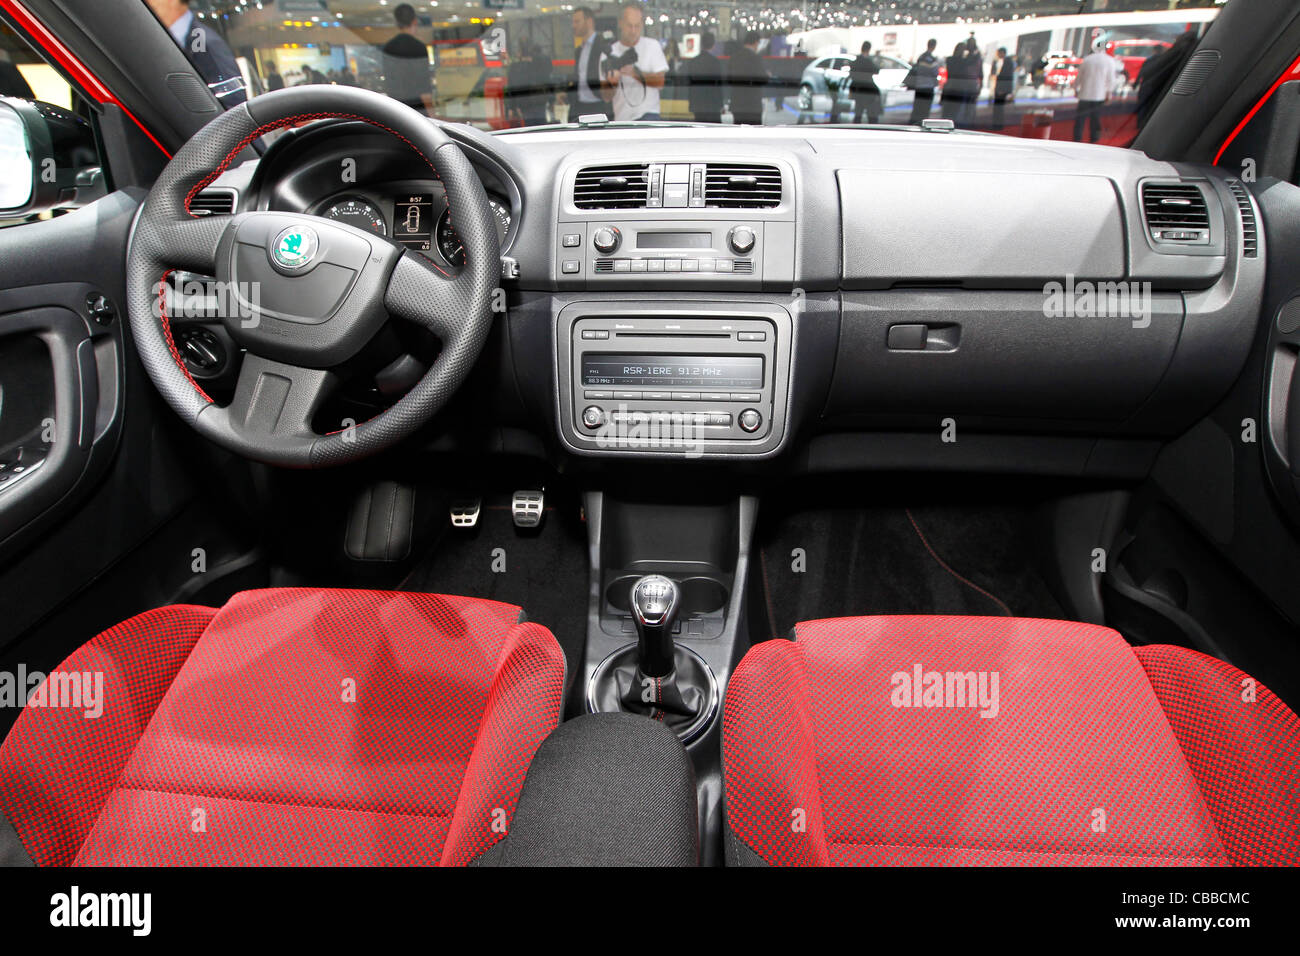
<point>1050,743</point>
<point>292,726</point>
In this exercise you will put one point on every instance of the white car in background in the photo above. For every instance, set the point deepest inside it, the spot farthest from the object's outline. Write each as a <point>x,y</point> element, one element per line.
<point>828,76</point>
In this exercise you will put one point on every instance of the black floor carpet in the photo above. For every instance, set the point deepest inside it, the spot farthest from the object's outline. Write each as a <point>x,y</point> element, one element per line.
<point>972,559</point>
<point>545,571</point>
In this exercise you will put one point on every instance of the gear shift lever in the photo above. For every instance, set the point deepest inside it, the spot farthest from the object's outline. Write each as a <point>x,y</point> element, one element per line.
<point>655,602</point>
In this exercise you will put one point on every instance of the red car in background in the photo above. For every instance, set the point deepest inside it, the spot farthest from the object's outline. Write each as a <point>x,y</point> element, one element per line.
<point>1133,53</point>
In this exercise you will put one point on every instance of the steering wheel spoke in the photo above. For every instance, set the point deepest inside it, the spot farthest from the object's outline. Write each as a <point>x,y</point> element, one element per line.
<point>420,292</point>
<point>274,403</point>
<point>191,244</point>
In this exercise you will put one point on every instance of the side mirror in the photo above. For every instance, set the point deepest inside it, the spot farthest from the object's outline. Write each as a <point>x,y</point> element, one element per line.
<point>48,159</point>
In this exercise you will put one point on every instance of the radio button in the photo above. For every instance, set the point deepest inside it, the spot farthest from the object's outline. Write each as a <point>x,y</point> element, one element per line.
<point>628,396</point>
<point>719,419</point>
<point>657,396</point>
<point>750,420</point>
<point>570,266</point>
<point>690,265</point>
<point>706,265</point>
<point>655,265</point>
<point>638,265</point>
<point>725,265</point>
<point>593,416</point>
<point>672,265</point>
<point>751,336</point>
<point>715,396</point>
<point>742,397</point>
<point>571,240</point>
<point>622,265</point>
<point>596,395</point>
<point>686,396</point>
<point>595,333</point>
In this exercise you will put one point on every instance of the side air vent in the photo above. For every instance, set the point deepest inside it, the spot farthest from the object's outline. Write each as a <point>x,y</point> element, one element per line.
<point>1249,228</point>
<point>741,186</point>
<point>213,202</point>
<point>623,186</point>
<point>1175,212</point>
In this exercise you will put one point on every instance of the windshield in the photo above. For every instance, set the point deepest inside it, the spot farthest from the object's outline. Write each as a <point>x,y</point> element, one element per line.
<point>1050,69</point>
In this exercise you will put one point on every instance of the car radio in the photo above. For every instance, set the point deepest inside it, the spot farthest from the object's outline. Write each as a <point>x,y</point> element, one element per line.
<point>637,380</point>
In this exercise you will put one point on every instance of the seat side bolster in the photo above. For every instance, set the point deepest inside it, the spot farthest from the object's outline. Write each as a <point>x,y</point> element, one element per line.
<point>773,792</point>
<point>1243,746</point>
<point>65,753</point>
<point>523,707</point>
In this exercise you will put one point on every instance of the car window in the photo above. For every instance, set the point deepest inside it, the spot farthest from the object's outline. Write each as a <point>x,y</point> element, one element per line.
<point>1030,68</point>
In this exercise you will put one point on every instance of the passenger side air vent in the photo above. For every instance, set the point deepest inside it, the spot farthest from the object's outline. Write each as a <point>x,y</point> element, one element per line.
<point>622,186</point>
<point>741,186</point>
<point>213,202</point>
<point>1175,212</point>
<point>1249,228</point>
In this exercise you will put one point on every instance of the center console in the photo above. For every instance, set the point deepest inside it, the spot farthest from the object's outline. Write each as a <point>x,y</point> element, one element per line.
<point>700,379</point>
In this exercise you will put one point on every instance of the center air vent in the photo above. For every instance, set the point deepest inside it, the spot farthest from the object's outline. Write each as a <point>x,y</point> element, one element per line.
<point>611,187</point>
<point>213,202</point>
<point>1175,212</point>
<point>742,186</point>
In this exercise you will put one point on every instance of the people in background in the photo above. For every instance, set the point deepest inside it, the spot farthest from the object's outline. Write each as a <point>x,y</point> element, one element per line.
<point>923,78</point>
<point>585,85</point>
<point>704,76</point>
<point>206,49</point>
<point>1002,85</point>
<point>634,87</point>
<point>1093,86</point>
<point>862,81</point>
<point>274,81</point>
<point>746,79</point>
<point>406,64</point>
<point>963,85</point>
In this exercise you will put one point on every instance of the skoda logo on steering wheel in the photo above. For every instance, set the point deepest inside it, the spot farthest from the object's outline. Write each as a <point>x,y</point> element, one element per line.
<point>295,248</point>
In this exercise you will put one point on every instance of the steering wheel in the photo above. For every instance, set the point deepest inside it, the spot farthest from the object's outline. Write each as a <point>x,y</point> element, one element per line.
<point>304,295</point>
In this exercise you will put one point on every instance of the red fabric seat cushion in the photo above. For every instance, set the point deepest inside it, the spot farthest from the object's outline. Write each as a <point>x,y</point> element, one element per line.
<point>824,764</point>
<point>323,726</point>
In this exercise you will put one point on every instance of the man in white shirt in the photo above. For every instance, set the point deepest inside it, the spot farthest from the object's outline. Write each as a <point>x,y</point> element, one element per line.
<point>1093,86</point>
<point>634,88</point>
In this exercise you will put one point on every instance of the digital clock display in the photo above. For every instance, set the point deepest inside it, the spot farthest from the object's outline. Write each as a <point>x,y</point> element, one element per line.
<point>673,371</point>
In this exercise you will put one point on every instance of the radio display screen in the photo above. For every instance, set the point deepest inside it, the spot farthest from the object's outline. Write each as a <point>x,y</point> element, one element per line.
<point>677,371</point>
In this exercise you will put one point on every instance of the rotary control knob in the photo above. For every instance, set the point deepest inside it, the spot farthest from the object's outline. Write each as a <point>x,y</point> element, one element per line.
<point>593,416</point>
<point>750,420</point>
<point>741,239</point>
<point>606,239</point>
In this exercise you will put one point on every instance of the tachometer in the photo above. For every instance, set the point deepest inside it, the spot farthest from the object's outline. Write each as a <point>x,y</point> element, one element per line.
<point>359,213</point>
<point>449,244</point>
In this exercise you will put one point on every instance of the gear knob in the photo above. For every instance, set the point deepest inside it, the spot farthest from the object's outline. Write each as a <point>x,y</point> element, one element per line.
<point>655,602</point>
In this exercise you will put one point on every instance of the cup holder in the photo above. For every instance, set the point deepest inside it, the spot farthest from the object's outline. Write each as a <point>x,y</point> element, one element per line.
<point>700,595</point>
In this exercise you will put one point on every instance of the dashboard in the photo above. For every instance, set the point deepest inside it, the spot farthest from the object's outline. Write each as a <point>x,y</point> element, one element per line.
<point>828,299</point>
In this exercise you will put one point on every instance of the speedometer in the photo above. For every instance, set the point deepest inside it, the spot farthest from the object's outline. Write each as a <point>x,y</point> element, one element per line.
<point>359,213</point>
<point>449,244</point>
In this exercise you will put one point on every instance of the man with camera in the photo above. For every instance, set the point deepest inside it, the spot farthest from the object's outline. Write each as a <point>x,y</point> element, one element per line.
<point>634,70</point>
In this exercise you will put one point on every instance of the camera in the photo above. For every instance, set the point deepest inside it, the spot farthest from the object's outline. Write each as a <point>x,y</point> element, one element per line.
<point>615,62</point>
